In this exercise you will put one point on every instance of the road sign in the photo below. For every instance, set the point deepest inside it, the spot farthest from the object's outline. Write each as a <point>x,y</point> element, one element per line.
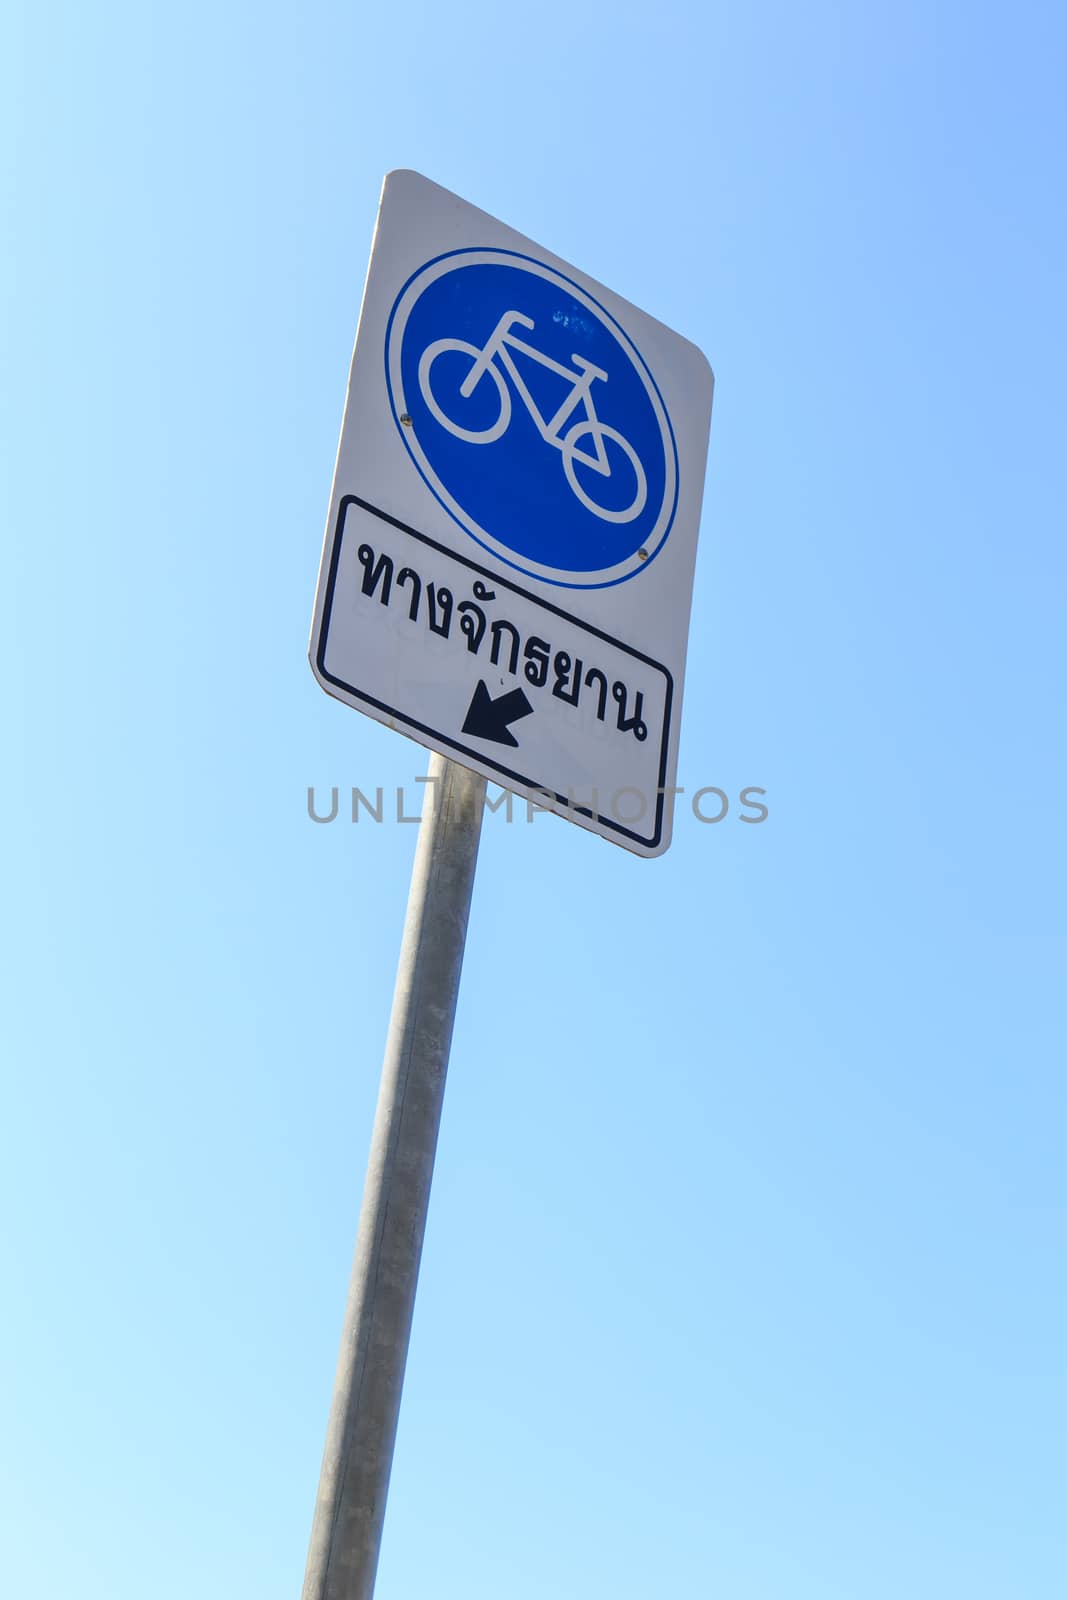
<point>512,532</point>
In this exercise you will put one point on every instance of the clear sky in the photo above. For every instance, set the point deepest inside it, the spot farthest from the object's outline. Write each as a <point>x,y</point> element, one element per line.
<point>744,1271</point>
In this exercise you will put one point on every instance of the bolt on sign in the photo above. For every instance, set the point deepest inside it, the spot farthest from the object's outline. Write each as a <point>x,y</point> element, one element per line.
<point>508,565</point>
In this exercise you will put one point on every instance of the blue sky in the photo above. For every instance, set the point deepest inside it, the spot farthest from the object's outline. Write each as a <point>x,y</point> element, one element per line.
<point>743,1271</point>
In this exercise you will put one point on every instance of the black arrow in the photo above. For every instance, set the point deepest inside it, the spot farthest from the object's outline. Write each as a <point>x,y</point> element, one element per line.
<point>488,718</point>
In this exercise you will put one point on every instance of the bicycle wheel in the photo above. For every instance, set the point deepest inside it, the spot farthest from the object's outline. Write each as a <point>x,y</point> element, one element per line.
<point>451,376</point>
<point>637,504</point>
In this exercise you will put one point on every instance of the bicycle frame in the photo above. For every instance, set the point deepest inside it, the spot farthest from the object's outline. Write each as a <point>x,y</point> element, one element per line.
<point>581,384</point>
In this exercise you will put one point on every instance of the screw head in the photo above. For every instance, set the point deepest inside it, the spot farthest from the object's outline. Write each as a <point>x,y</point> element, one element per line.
<point>406,420</point>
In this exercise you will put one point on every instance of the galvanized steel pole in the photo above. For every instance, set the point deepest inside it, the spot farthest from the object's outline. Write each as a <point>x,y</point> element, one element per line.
<point>347,1528</point>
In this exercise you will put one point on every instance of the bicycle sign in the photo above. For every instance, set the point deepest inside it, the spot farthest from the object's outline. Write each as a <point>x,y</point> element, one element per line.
<point>512,532</point>
<point>581,379</point>
<point>486,418</point>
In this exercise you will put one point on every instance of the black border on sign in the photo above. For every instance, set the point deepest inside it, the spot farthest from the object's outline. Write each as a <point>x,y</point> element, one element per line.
<point>401,717</point>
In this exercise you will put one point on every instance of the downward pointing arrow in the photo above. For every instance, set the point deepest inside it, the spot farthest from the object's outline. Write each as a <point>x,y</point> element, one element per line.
<point>488,718</point>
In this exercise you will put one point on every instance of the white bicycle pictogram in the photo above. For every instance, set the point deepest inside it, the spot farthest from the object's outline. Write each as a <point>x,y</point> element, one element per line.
<point>494,356</point>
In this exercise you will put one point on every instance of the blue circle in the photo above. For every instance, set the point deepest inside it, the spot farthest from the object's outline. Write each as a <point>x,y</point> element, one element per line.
<point>558,452</point>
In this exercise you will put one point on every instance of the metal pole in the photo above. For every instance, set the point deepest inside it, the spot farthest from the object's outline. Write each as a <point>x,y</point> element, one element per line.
<point>347,1528</point>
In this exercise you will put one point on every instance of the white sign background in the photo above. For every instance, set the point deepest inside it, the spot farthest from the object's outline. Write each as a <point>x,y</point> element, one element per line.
<point>370,651</point>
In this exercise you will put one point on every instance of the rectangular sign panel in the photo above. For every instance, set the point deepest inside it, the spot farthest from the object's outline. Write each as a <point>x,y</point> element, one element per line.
<point>509,553</point>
